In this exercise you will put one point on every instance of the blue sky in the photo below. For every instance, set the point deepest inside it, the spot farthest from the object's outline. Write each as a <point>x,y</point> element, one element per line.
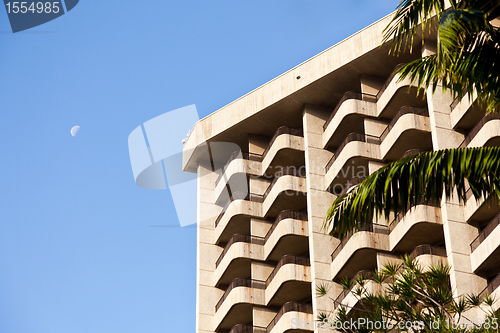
<point>77,250</point>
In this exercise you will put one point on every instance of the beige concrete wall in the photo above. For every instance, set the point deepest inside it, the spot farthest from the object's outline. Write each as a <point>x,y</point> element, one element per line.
<point>206,293</point>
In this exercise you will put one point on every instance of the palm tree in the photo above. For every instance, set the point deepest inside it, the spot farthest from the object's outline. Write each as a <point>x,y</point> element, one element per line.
<point>468,46</point>
<point>408,297</point>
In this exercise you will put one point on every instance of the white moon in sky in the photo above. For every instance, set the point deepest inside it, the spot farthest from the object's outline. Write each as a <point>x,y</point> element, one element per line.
<point>75,130</point>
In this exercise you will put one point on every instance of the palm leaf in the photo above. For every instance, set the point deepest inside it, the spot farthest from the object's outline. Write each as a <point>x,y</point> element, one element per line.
<point>421,178</point>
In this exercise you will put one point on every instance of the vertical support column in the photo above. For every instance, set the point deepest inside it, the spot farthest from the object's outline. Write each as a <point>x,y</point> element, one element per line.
<point>207,295</point>
<point>438,103</point>
<point>256,145</point>
<point>321,245</point>
<point>458,233</point>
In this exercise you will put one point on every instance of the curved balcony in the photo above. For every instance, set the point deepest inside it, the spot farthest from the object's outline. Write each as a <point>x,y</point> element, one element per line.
<point>354,106</point>
<point>235,259</point>
<point>395,94</point>
<point>287,235</point>
<point>485,248</point>
<point>285,148</point>
<point>358,250</point>
<point>235,216</point>
<point>410,127</point>
<point>465,113</point>
<point>485,133</point>
<point>423,221</point>
<point>480,210</point>
<point>235,305</point>
<point>288,189</point>
<point>234,173</point>
<point>429,255</point>
<point>289,316</point>
<point>348,117</point>
<point>289,281</point>
<point>352,137</point>
<point>493,291</point>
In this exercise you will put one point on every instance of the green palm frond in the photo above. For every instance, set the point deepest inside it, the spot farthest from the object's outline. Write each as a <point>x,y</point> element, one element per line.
<point>468,46</point>
<point>413,180</point>
<point>406,20</point>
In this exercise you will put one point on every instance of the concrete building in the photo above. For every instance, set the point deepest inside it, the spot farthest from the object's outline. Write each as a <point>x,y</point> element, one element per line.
<point>306,136</point>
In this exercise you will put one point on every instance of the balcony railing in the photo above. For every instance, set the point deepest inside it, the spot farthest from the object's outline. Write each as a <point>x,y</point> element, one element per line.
<point>399,217</point>
<point>239,238</point>
<point>360,96</point>
<point>285,260</point>
<point>372,227</point>
<point>280,131</point>
<point>377,139</point>
<point>485,233</point>
<point>246,328</point>
<point>237,196</point>
<point>350,138</point>
<point>492,286</point>
<point>289,307</point>
<point>472,134</point>
<point>259,157</point>
<point>234,155</point>
<point>403,111</point>
<point>284,172</point>
<point>240,282</point>
<point>428,249</point>
<point>286,214</point>
<point>260,197</point>
<point>345,97</point>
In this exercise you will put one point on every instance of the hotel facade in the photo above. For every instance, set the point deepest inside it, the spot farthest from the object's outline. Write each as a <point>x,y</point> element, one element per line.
<point>301,140</point>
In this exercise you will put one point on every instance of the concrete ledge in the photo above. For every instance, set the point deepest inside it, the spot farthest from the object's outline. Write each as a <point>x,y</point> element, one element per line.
<point>234,168</point>
<point>239,295</point>
<point>237,207</point>
<point>285,227</point>
<point>287,273</point>
<point>461,109</point>
<point>489,131</point>
<point>238,250</point>
<point>284,183</point>
<point>352,149</point>
<point>358,241</point>
<point>417,215</point>
<point>350,107</point>
<point>283,141</point>
<point>485,249</point>
<point>406,123</point>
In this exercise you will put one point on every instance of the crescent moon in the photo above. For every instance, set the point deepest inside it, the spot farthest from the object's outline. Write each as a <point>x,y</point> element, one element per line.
<point>75,130</point>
